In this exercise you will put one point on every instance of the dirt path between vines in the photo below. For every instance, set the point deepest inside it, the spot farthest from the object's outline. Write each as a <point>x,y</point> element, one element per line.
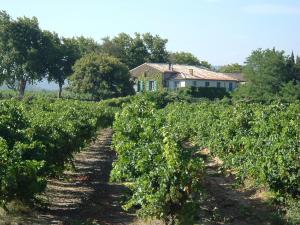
<point>85,195</point>
<point>227,203</point>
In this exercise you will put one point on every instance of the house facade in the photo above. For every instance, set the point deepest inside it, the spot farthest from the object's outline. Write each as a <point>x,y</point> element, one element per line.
<point>158,76</point>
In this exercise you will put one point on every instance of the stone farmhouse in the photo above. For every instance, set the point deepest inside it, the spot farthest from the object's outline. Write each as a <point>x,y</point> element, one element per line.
<point>158,76</point>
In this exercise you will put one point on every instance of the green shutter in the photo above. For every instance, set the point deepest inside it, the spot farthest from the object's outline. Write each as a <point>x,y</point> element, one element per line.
<point>147,85</point>
<point>155,85</point>
<point>141,85</point>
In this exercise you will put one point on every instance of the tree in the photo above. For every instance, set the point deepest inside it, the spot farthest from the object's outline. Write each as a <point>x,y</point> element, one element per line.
<point>102,76</point>
<point>134,51</point>
<point>232,68</point>
<point>130,51</point>
<point>297,69</point>
<point>187,58</point>
<point>22,47</point>
<point>290,91</point>
<point>62,54</point>
<point>85,45</point>
<point>265,71</point>
<point>184,58</point>
<point>156,47</point>
<point>270,74</point>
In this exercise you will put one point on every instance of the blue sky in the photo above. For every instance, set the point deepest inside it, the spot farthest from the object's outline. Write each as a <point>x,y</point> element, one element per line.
<point>219,31</point>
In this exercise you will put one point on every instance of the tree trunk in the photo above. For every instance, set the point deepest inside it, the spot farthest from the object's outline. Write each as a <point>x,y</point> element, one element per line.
<point>22,86</point>
<point>60,90</point>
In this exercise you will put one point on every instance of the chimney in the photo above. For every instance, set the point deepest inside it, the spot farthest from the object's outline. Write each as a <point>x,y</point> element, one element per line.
<point>170,67</point>
<point>191,71</point>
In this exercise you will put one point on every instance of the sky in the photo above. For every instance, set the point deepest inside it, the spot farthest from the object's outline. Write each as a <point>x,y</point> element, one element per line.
<point>218,31</point>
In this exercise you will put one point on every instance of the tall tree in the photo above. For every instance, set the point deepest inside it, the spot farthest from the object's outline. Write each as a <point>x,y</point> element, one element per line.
<point>297,69</point>
<point>85,45</point>
<point>133,51</point>
<point>62,54</point>
<point>102,76</point>
<point>266,68</point>
<point>23,52</point>
<point>184,58</point>
<point>188,59</point>
<point>156,47</point>
<point>231,68</point>
<point>269,73</point>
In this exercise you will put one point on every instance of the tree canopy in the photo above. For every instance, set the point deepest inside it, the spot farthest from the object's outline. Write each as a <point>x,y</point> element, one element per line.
<point>134,51</point>
<point>269,73</point>
<point>23,52</point>
<point>62,54</point>
<point>102,76</point>
<point>231,68</point>
<point>187,58</point>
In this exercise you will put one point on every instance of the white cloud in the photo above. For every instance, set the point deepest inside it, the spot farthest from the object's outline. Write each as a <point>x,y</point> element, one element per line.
<point>279,9</point>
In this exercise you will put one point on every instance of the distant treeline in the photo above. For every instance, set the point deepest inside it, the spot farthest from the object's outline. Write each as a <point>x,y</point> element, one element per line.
<point>30,54</point>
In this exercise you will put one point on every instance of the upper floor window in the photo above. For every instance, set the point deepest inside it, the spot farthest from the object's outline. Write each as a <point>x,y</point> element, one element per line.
<point>206,84</point>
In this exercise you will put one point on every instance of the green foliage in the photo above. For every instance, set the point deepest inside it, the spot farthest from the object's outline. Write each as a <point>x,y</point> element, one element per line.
<point>164,174</point>
<point>153,140</point>
<point>187,58</point>
<point>83,45</point>
<point>258,141</point>
<point>134,51</point>
<point>268,73</point>
<point>22,57</point>
<point>204,92</point>
<point>290,91</point>
<point>101,76</point>
<point>38,136</point>
<point>62,54</point>
<point>232,68</point>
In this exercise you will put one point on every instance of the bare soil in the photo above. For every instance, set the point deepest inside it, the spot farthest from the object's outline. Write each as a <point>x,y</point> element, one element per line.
<point>84,196</point>
<point>229,203</point>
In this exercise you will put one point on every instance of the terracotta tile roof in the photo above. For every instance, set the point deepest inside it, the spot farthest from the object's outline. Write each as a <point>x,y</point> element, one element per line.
<point>191,72</point>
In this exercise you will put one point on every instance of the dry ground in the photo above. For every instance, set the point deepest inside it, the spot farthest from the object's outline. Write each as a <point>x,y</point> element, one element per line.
<point>85,196</point>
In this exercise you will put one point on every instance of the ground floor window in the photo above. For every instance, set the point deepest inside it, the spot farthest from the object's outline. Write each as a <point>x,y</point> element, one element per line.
<point>151,85</point>
<point>138,88</point>
<point>206,84</point>
<point>177,84</point>
<point>218,84</point>
<point>230,86</point>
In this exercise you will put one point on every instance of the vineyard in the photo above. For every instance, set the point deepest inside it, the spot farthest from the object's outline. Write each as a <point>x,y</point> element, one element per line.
<point>159,151</point>
<point>38,138</point>
<point>159,141</point>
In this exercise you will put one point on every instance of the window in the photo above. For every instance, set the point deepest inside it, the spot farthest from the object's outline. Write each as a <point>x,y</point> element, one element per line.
<point>138,86</point>
<point>194,83</point>
<point>218,84</point>
<point>230,86</point>
<point>166,83</point>
<point>177,84</point>
<point>206,84</point>
<point>151,85</point>
<point>141,85</point>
